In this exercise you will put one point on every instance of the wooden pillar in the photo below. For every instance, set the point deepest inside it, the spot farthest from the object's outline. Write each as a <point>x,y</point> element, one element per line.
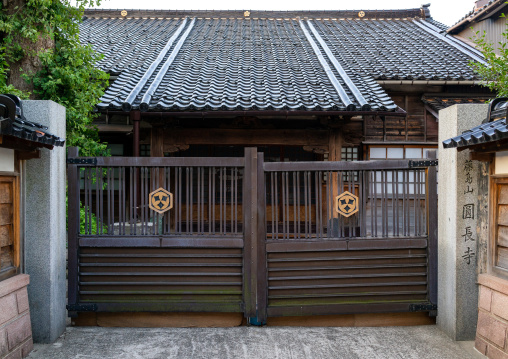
<point>135,117</point>
<point>335,141</point>
<point>157,142</point>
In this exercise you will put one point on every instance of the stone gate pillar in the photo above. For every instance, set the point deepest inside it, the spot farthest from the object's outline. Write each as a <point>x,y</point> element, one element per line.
<point>45,227</point>
<point>458,219</point>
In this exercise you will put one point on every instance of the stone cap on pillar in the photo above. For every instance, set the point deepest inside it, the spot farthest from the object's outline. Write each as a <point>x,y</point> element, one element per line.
<point>493,129</point>
<point>13,123</point>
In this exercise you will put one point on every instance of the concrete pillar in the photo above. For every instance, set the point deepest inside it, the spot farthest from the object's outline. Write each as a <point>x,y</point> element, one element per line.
<point>458,216</point>
<point>45,228</point>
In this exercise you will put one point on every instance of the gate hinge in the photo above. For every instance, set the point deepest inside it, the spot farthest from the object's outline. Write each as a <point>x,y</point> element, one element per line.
<point>420,164</point>
<point>424,307</point>
<point>82,161</point>
<point>82,307</point>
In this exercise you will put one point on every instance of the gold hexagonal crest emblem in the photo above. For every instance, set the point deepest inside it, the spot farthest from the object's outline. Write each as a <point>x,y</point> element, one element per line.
<point>346,204</point>
<point>160,200</point>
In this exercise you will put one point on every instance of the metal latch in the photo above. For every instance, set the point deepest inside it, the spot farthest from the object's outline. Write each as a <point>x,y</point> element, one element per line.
<point>420,164</point>
<point>82,161</point>
<point>424,307</point>
<point>82,307</point>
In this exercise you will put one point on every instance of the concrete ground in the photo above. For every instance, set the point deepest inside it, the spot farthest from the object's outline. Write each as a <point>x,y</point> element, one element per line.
<point>254,342</point>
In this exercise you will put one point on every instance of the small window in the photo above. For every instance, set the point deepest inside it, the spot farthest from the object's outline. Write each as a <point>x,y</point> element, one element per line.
<point>349,154</point>
<point>144,150</point>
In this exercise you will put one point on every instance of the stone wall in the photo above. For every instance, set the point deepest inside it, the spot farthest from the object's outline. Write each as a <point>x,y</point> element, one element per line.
<point>492,329</point>
<point>15,329</point>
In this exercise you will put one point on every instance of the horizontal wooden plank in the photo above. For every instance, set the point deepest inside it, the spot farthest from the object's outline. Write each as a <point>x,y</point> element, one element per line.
<point>306,267</point>
<point>387,244</point>
<point>250,137</point>
<point>304,246</point>
<point>119,242</point>
<point>166,162</point>
<point>198,242</point>
<point>353,298</point>
<point>339,309</point>
<point>235,307</point>
<point>350,274</point>
<point>332,292</point>
<point>352,283</point>
<point>159,241</point>
<point>337,166</point>
<point>278,246</point>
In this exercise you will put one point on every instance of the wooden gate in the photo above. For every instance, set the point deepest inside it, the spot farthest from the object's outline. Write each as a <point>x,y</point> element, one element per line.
<point>242,235</point>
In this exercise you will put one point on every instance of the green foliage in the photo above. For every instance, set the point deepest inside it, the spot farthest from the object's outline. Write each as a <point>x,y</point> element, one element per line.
<point>94,223</point>
<point>68,75</point>
<point>495,72</point>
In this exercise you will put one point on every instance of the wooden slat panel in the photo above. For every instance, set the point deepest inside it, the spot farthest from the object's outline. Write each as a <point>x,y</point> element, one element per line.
<point>502,236</point>
<point>319,279</point>
<point>502,257</point>
<point>6,235</point>
<point>6,257</point>
<point>6,192</point>
<point>6,214</point>
<point>502,218</point>
<point>172,277</point>
<point>503,194</point>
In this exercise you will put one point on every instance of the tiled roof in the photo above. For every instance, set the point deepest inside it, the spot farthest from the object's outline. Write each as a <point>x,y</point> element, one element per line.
<point>439,102</point>
<point>13,123</point>
<point>227,62</point>
<point>494,128</point>
<point>492,7</point>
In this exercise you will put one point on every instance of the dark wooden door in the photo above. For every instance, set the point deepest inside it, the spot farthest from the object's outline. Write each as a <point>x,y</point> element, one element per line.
<point>242,235</point>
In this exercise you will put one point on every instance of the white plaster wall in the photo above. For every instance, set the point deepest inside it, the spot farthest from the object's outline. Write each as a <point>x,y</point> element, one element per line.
<point>501,163</point>
<point>6,160</point>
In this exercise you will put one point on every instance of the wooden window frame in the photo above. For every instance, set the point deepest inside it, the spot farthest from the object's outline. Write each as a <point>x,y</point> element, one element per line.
<point>495,181</point>
<point>15,180</point>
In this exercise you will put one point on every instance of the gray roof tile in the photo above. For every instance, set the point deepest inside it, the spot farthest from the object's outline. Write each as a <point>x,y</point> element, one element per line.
<point>268,63</point>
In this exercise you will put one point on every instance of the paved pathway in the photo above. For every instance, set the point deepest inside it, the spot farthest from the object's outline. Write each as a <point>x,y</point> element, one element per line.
<point>257,343</point>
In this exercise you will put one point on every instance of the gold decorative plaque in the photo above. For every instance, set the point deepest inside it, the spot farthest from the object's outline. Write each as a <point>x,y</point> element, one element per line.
<point>123,12</point>
<point>161,200</point>
<point>361,14</point>
<point>346,204</point>
<point>246,13</point>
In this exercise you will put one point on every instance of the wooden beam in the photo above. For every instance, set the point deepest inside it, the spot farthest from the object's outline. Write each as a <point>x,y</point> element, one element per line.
<point>479,156</point>
<point>29,155</point>
<point>246,137</point>
<point>19,144</point>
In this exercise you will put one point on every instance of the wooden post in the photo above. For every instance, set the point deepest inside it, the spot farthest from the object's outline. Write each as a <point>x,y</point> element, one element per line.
<point>250,218</point>
<point>135,117</point>
<point>432,221</point>
<point>73,227</point>
<point>335,154</point>
<point>262,280</point>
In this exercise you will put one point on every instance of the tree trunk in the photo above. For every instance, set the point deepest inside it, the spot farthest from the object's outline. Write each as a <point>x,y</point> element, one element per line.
<point>30,64</point>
